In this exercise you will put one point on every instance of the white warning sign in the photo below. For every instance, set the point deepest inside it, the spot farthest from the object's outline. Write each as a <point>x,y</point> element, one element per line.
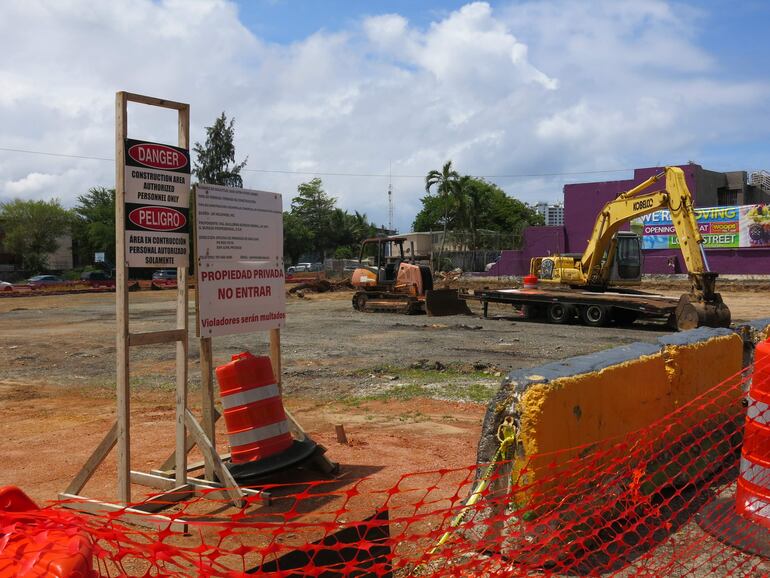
<point>239,245</point>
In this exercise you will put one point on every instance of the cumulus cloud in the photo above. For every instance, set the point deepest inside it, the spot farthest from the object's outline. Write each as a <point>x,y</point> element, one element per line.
<point>525,88</point>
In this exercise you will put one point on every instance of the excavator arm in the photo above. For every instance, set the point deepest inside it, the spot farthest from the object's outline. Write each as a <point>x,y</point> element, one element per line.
<point>636,203</point>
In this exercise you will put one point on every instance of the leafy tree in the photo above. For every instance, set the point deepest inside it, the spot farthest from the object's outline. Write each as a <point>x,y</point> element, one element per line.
<point>431,216</point>
<point>445,181</point>
<point>32,228</point>
<point>296,237</point>
<point>214,158</point>
<point>94,225</point>
<point>345,252</point>
<point>316,225</point>
<point>315,209</point>
<point>484,206</point>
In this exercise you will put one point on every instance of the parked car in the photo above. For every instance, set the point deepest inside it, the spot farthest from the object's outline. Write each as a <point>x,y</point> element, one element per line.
<point>39,281</point>
<point>97,279</point>
<point>164,275</point>
<point>5,286</point>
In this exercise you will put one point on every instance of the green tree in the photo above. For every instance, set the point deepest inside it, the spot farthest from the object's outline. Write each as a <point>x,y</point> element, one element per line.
<point>315,209</point>
<point>94,226</point>
<point>445,181</point>
<point>296,237</point>
<point>316,225</point>
<point>214,158</point>
<point>484,206</point>
<point>32,229</point>
<point>345,252</point>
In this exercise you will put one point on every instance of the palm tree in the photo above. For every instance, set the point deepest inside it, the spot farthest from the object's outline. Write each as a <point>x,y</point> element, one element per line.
<point>446,182</point>
<point>471,203</point>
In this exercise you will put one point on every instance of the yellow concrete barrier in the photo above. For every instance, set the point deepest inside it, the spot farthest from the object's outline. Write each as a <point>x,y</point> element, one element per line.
<point>589,399</point>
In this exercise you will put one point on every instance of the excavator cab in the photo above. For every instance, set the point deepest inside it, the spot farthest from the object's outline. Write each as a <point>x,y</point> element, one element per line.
<point>627,264</point>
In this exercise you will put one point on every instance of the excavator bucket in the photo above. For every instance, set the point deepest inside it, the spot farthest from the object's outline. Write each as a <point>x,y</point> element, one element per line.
<point>691,313</point>
<point>441,302</point>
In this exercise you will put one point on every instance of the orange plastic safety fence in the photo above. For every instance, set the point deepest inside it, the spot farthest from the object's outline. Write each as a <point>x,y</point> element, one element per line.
<point>628,507</point>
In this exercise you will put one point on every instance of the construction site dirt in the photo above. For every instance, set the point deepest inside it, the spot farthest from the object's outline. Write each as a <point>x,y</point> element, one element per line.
<point>340,367</point>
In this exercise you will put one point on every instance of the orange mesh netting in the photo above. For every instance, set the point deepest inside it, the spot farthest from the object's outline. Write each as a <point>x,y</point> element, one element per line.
<point>627,507</point>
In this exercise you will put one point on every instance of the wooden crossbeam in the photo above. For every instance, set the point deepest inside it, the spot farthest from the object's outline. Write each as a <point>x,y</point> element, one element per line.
<point>131,515</point>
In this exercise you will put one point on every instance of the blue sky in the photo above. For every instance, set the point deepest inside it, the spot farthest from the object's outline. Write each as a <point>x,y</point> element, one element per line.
<point>532,95</point>
<point>285,21</point>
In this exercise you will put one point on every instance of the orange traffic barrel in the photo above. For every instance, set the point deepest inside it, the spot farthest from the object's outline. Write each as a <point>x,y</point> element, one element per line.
<point>253,408</point>
<point>752,494</point>
<point>530,282</point>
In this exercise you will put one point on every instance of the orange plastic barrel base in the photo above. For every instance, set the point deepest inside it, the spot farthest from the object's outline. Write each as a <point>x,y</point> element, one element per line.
<point>260,450</point>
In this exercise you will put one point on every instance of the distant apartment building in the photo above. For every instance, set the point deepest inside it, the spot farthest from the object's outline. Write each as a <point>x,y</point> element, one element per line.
<point>553,215</point>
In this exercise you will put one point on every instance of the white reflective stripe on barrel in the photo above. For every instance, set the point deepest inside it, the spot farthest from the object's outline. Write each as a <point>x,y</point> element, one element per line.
<point>249,396</point>
<point>754,473</point>
<point>757,506</point>
<point>758,411</point>
<point>258,434</point>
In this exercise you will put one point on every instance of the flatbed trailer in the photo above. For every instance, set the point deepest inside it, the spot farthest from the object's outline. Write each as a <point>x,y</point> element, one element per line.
<point>594,308</point>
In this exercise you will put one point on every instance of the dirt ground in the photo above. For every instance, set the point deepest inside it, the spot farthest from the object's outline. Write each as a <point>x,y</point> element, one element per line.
<point>364,371</point>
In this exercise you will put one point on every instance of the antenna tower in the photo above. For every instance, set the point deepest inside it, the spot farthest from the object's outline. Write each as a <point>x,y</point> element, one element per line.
<point>390,199</point>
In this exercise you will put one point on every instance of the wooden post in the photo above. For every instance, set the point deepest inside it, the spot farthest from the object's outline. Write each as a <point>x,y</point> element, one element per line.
<point>181,324</point>
<point>275,355</point>
<point>207,394</point>
<point>181,378</point>
<point>123,393</point>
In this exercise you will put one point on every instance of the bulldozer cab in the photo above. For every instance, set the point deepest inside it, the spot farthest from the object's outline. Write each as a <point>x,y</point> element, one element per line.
<point>384,255</point>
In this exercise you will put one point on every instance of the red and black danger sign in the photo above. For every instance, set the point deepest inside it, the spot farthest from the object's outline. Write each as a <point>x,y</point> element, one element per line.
<point>157,185</point>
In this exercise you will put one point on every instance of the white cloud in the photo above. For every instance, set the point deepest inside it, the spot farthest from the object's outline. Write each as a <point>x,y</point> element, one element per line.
<point>32,184</point>
<point>538,87</point>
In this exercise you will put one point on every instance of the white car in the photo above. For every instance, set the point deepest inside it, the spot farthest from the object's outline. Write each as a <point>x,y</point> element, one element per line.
<point>5,286</point>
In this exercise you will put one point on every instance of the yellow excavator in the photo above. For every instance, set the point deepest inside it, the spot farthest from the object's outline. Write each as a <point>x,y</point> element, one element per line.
<point>387,281</point>
<point>612,256</point>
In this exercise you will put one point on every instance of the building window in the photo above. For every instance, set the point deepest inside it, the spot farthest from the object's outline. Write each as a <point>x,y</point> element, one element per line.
<point>727,197</point>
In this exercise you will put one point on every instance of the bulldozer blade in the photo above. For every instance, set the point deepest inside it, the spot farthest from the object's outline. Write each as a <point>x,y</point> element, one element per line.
<point>441,302</point>
<point>691,314</point>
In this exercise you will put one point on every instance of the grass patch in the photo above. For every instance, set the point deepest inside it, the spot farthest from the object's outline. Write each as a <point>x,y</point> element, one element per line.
<point>468,382</point>
<point>430,372</point>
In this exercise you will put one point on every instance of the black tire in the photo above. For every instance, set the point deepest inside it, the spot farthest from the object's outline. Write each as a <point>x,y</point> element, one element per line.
<point>624,316</point>
<point>559,313</point>
<point>531,311</point>
<point>595,315</point>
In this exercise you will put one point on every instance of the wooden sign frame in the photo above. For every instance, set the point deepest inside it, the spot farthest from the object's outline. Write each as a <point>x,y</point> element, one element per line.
<point>176,483</point>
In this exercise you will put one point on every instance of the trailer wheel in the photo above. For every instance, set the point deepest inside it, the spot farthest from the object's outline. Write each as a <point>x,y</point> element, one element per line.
<point>559,313</point>
<point>595,315</point>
